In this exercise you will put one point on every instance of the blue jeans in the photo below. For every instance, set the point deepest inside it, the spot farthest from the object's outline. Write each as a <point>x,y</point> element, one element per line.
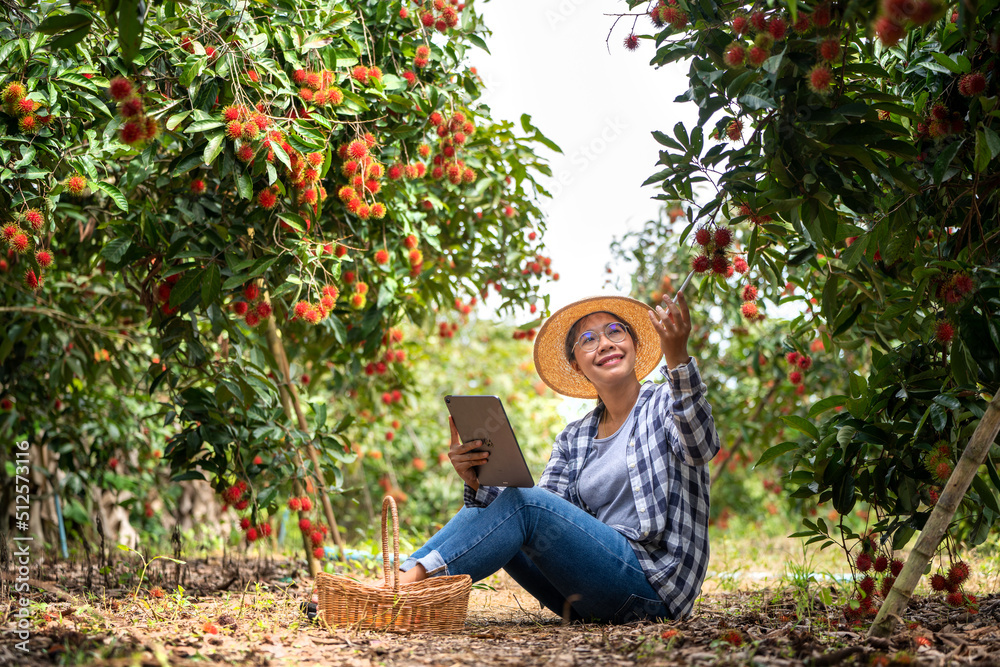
<point>556,551</point>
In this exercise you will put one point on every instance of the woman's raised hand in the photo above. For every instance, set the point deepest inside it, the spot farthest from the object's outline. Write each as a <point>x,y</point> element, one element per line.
<point>672,322</point>
<point>464,459</point>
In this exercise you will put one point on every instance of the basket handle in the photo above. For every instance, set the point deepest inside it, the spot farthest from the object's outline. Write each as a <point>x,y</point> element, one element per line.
<point>387,503</point>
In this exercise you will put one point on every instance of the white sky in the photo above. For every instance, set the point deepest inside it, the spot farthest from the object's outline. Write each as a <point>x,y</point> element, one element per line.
<point>550,60</point>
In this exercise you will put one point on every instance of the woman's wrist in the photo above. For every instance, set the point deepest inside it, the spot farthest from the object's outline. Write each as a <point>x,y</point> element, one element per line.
<point>674,362</point>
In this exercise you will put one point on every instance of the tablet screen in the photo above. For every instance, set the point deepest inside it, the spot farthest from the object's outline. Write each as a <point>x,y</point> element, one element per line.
<point>483,418</point>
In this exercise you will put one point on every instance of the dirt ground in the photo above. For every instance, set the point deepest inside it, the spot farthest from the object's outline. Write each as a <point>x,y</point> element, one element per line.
<point>254,608</point>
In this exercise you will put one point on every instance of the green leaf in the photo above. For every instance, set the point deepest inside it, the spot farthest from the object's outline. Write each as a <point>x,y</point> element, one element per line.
<point>189,283</point>
<point>944,161</point>
<point>70,39</point>
<point>948,63</point>
<point>983,155</point>
<point>203,125</point>
<point>176,120</point>
<point>61,22</point>
<point>478,41</point>
<point>115,249</point>
<point>985,493</point>
<point>212,286</point>
<point>213,147</point>
<point>827,403</point>
<point>947,401</point>
<point>129,28</point>
<point>664,140</point>
<point>993,141</point>
<point>244,185</point>
<point>114,193</point>
<point>775,452</point>
<point>802,425</point>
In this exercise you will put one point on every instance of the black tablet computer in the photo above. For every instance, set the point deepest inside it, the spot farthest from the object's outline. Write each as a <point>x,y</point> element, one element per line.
<point>483,418</point>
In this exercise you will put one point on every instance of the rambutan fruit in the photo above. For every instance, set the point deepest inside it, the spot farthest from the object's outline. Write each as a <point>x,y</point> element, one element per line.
<point>197,186</point>
<point>749,310</point>
<point>740,25</point>
<point>821,16</point>
<point>374,73</point>
<point>805,362</point>
<point>416,257</point>
<point>382,257</point>
<point>360,74</point>
<point>944,332</point>
<point>867,584</point>
<point>28,124</point>
<point>829,49</point>
<point>267,199</point>
<point>942,471</point>
<point>972,84</point>
<point>357,149</point>
<point>703,236</point>
<point>888,31</point>
<point>44,258</point>
<point>363,211</point>
<point>132,132</point>
<point>734,130</point>
<point>802,23</point>
<point>300,309</point>
<point>24,106</point>
<point>244,153</point>
<point>820,79</point>
<point>378,210</point>
<point>13,92</point>
<point>895,567</point>
<point>358,301</point>
<point>722,237</point>
<point>886,586</point>
<point>863,561</point>
<point>735,55</point>
<point>411,78</point>
<point>958,573</point>
<point>720,263</point>
<point>793,358</point>
<point>777,28</point>
<point>740,265</point>
<point>701,264</point>
<point>758,21</point>
<point>955,599</point>
<point>749,293</point>
<point>250,131</point>
<point>31,280</point>
<point>34,218</point>
<point>251,319</point>
<point>240,308</point>
<point>757,55</point>
<point>120,88</point>
<point>410,241</point>
<point>234,129</point>
<point>631,42</point>
<point>795,377</point>
<point>319,553</point>
<point>880,563</point>
<point>76,184</point>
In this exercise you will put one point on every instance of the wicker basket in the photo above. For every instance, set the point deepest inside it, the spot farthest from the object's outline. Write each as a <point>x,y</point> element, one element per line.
<point>436,604</point>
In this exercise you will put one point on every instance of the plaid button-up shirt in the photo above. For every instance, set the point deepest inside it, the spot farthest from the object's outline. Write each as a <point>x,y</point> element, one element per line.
<point>673,440</point>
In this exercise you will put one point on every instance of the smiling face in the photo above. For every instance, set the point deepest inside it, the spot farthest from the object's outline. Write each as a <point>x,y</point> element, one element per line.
<point>611,362</point>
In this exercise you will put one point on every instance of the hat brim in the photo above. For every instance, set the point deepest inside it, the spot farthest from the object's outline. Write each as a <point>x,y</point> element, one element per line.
<point>554,368</point>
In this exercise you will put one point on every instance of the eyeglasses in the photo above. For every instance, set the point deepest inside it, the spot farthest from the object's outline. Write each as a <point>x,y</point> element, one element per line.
<point>613,331</point>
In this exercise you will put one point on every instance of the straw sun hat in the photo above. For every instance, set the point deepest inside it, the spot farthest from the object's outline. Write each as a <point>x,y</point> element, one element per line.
<point>550,343</point>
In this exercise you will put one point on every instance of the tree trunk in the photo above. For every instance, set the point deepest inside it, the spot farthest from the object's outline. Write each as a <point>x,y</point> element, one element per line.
<point>937,525</point>
<point>290,401</point>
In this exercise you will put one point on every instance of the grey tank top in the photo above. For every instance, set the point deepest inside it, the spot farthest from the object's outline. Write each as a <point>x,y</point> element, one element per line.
<point>604,484</point>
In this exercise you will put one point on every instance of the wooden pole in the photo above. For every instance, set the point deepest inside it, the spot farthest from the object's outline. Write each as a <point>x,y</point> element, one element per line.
<point>939,520</point>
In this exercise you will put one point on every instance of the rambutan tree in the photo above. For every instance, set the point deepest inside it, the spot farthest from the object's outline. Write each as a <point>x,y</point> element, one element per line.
<point>857,146</point>
<point>227,193</point>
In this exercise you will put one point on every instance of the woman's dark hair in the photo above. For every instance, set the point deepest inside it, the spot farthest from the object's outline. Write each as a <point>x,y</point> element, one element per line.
<point>571,335</point>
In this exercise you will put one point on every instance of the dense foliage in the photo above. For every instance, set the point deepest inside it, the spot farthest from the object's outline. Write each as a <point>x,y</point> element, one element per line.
<point>217,189</point>
<point>853,150</point>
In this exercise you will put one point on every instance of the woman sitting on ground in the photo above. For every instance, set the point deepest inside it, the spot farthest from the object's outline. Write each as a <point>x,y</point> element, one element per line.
<point>617,529</point>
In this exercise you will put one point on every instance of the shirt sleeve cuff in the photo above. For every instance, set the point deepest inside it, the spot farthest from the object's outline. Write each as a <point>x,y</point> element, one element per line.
<point>683,379</point>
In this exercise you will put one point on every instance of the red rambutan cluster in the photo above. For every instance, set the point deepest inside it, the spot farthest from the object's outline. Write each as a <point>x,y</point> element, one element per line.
<point>17,104</point>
